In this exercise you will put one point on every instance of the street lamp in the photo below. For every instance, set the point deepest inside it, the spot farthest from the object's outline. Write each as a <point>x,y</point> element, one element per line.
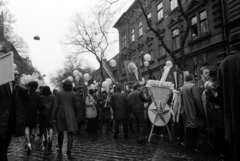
<point>36,37</point>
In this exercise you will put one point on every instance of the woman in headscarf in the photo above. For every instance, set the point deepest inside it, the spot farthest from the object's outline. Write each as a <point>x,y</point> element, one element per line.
<point>65,110</point>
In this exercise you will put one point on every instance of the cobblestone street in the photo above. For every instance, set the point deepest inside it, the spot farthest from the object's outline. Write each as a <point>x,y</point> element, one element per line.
<point>102,147</point>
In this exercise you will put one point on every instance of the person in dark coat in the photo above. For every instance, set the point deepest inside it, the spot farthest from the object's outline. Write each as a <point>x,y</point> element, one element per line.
<point>13,98</point>
<point>104,112</point>
<point>119,106</point>
<point>81,96</point>
<point>34,105</point>
<point>65,110</point>
<point>229,87</point>
<point>136,101</point>
<point>192,112</point>
<point>48,101</point>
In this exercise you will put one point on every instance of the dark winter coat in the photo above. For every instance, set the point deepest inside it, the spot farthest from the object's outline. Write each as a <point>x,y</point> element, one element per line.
<point>229,83</point>
<point>65,110</point>
<point>7,103</point>
<point>81,111</point>
<point>119,106</point>
<point>104,111</point>
<point>192,107</point>
<point>48,102</point>
<point>34,105</point>
<point>136,101</point>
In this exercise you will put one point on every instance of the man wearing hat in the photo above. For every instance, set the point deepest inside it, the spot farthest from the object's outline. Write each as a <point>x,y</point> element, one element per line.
<point>136,101</point>
<point>229,86</point>
<point>13,98</point>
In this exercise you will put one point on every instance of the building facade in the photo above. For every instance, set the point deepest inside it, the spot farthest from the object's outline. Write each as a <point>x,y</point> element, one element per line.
<point>212,23</point>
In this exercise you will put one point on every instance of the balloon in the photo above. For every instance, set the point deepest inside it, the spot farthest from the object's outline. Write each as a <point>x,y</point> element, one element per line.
<point>109,81</point>
<point>169,64</point>
<point>77,78</point>
<point>80,74</point>
<point>146,63</point>
<point>147,57</point>
<point>73,84</point>
<point>86,77</point>
<point>14,66</point>
<point>86,83</point>
<point>94,82</point>
<point>92,86</point>
<point>113,63</point>
<point>75,73</point>
<point>105,85</point>
<point>70,78</point>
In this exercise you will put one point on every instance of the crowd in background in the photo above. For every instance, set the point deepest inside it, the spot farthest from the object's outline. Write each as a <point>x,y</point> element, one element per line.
<point>211,109</point>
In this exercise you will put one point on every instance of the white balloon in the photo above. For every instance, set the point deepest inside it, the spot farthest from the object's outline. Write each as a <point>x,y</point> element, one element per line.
<point>92,86</point>
<point>146,63</point>
<point>77,78</point>
<point>169,64</point>
<point>22,80</point>
<point>70,78</point>
<point>14,66</point>
<point>80,74</point>
<point>75,73</point>
<point>105,85</point>
<point>113,63</point>
<point>86,77</point>
<point>86,83</point>
<point>94,82</point>
<point>109,81</point>
<point>147,57</point>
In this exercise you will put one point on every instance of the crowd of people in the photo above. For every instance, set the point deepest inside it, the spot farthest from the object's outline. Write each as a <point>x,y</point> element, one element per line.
<point>211,109</point>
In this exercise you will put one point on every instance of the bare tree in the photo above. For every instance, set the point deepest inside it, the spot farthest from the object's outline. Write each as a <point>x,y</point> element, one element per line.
<point>91,33</point>
<point>71,63</point>
<point>183,23</point>
<point>9,34</point>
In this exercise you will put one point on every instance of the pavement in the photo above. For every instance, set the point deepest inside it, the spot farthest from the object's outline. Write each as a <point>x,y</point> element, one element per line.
<point>102,147</point>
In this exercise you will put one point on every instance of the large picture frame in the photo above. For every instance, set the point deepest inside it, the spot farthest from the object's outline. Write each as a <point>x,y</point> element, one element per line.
<point>6,68</point>
<point>133,71</point>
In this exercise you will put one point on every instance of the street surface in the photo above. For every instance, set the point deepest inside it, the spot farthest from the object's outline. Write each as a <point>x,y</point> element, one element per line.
<point>105,148</point>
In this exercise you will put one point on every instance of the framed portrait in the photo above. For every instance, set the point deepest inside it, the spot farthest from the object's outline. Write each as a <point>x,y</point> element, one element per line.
<point>133,71</point>
<point>202,75</point>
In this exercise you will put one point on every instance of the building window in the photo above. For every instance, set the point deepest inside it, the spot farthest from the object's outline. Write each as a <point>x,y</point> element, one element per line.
<point>160,11</point>
<point>199,26</point>
<point>175,39</point>
<point>150,51</point>
<point>194,27</point>
<point>140,32</point>
<point>174,4</point>
<point>124,41</point>
<point>132,35</point>
<point>203,22</point>
<point>162,51</point>
<point>149,16</point>
<point>141,58</point>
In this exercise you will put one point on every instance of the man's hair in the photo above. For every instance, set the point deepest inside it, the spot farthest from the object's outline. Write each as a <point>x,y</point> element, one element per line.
<point>118,88</point>
<point>202,69</point>
<point>189,77</point>
<point>136,85</point>
<point>33,85</point>
<point>67,85</point>
<point>46,91</point>
<point>91,91</point>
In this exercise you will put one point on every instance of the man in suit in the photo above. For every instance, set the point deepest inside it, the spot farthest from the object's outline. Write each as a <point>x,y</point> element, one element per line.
<point>119,106</point>
<point>13,98</point>
<point>135,101</point>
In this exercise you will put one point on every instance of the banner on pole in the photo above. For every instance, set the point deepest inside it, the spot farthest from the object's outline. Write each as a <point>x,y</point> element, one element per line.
<point>108,71</point>
<point>6,68</point>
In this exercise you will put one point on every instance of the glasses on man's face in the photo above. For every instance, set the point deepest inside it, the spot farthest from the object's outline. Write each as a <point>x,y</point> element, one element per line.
<point>16,75</point>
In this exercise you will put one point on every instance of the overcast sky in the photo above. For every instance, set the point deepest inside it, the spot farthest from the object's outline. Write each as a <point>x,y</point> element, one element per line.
<point>48,19</point>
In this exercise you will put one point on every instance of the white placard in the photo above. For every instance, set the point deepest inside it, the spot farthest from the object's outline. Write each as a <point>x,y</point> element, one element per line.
<point>6,68</point>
